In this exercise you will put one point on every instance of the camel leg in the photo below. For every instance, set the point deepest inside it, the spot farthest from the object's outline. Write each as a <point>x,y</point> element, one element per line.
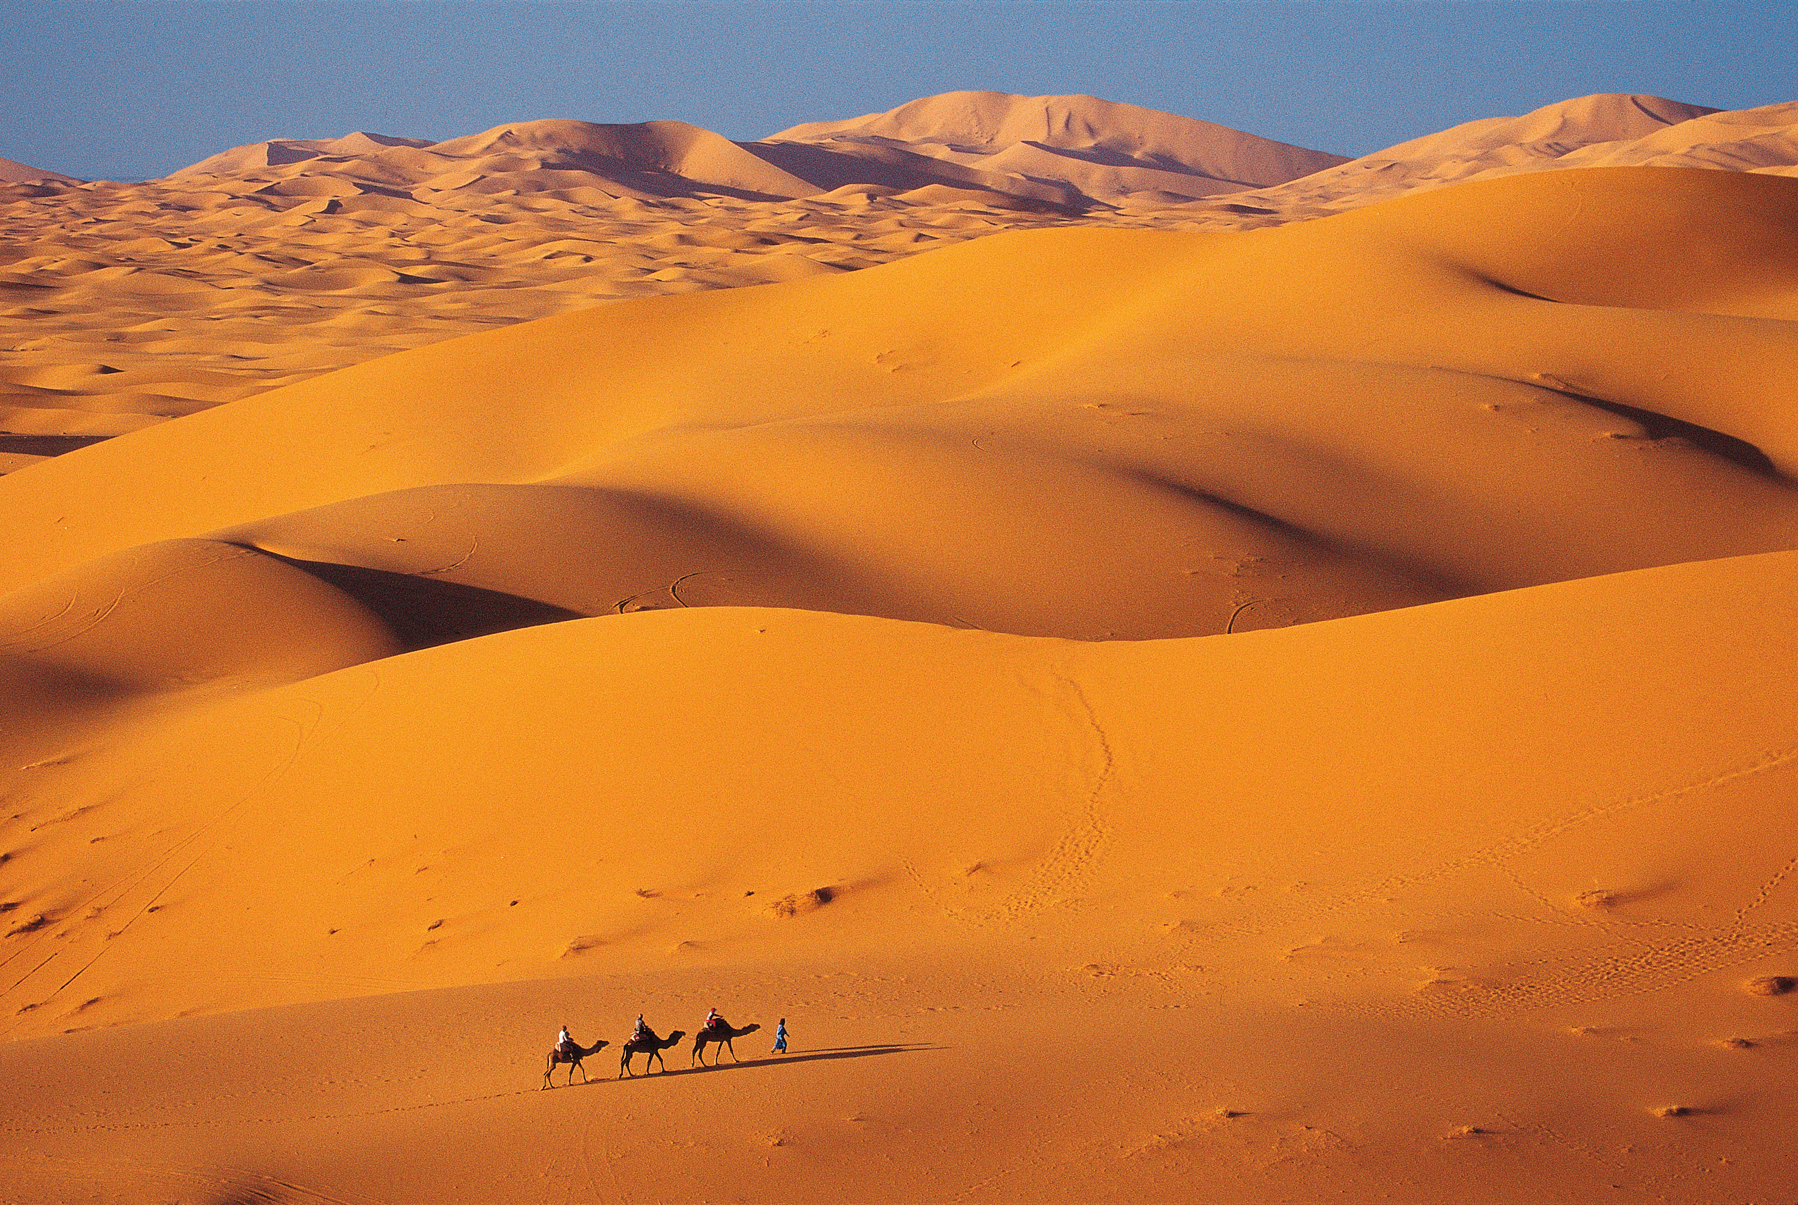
<point>547,1072</point>
<point>580,1066</point>
<point>624,1064</point>
<point>733,1051</point>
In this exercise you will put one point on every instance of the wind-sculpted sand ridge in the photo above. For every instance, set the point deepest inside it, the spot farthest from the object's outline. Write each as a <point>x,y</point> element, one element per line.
<point>628,661</point>
<point>274,262</point>
<point>269,263</point>
<point>1277,893</point>
<point>1521,381</point>
<point>132,303</point>
<point>1609,130</point>
<point>14,172</point>
<point>1110,153</point>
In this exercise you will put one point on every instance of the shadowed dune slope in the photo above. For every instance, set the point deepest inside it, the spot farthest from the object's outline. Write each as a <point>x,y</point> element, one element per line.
<point>272,263</point>
<point>279,152</point>
<point>1450,850</point>
<point>1754,140</point>
<point>14,172</point>
<point>1067,151</point>
<point>655,158</point>
<point>1078,433</point>
<point>1105,149</point>
<point>1568,133</point>
<point>624,661</point>
<point>132,303</point>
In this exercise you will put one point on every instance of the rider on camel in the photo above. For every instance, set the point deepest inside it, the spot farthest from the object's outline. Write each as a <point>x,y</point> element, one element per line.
<point>642,1032</point>
<point>564,1043</point>
<point>714,1023</point>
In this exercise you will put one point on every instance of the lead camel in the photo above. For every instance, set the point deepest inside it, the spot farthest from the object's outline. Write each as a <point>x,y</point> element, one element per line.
<point>722,1036</point>
<point>572,1058</point>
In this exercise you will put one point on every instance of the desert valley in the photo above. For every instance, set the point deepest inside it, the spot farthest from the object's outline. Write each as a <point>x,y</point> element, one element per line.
<point>1183,667</point>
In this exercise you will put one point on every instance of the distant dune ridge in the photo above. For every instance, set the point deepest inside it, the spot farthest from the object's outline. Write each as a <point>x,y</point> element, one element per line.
<point>279,152</point>
<point>1590,131</point>
<point>1110,152</point>
<point>1172,699</point>
<point>1074,151</point>
<point>12,172</point>
<point>267,264</point>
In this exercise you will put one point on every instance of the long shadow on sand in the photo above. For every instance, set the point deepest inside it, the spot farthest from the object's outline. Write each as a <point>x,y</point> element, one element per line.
<point>810,1056</point>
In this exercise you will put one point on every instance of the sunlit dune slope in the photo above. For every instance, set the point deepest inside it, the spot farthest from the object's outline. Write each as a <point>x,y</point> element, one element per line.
<point>1568,133</point>
<point>1753,140</point>
<point>625,661</point>
<point>14,172</point>
<point>1109,152</point>
<point>131,303</point>
<point>1073,151</point>
<point>597,795</point>
<point>1428,904</point>
<point>279,152</point>
<point>1078,433</point>
<point>1607,130</point>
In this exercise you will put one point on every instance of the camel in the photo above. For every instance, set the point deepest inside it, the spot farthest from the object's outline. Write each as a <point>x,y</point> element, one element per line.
<point>573,1060</point>
<point>721,1035</point>
<point>652,1047</point>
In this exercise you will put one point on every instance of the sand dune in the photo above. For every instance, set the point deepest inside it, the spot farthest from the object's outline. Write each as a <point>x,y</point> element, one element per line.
<point>1753,140</point>
<point>1592,131</point>
<point>1108,151</point>
<point>1166,714</point>
<point>1075,152</point>
<point>268,264</point>
<point>13,172</point>
<point>1107,920</point>
<point>1554,136</point>
<point>278,152</point>
<point>885,442</point>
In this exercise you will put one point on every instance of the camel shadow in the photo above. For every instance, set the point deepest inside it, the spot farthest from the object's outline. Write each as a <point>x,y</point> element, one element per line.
<point>809,1056</point>
<point>816,1056</point>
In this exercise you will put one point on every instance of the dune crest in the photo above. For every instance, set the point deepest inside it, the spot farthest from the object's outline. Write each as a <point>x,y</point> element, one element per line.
<point>279,152</point>
<point>849,444</point>
<point>1553,136</point>
<point>14,172</point>
<point>1169,702</point>
<point>268,264</point>
<point>1753,140</point>
<point>1107,150</point>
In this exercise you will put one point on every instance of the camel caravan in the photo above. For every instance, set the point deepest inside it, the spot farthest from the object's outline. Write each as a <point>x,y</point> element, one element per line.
<point>715,1031</point>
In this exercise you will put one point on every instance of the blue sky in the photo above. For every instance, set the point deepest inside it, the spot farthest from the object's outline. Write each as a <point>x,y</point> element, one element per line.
<point>127,89</point>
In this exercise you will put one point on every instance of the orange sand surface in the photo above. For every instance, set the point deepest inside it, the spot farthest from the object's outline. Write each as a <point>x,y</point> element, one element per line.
<point>270,263</point>
<point>1287,713</point>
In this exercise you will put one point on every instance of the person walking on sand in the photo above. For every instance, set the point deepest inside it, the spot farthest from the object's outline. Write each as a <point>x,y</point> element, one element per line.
<point>780,1038</point>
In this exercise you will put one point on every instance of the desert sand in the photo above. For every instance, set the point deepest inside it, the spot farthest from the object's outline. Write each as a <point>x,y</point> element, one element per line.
<point>1170,702</point>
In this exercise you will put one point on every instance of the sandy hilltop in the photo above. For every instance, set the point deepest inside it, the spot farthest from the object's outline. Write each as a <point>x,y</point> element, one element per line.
<point>1186,668</point>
